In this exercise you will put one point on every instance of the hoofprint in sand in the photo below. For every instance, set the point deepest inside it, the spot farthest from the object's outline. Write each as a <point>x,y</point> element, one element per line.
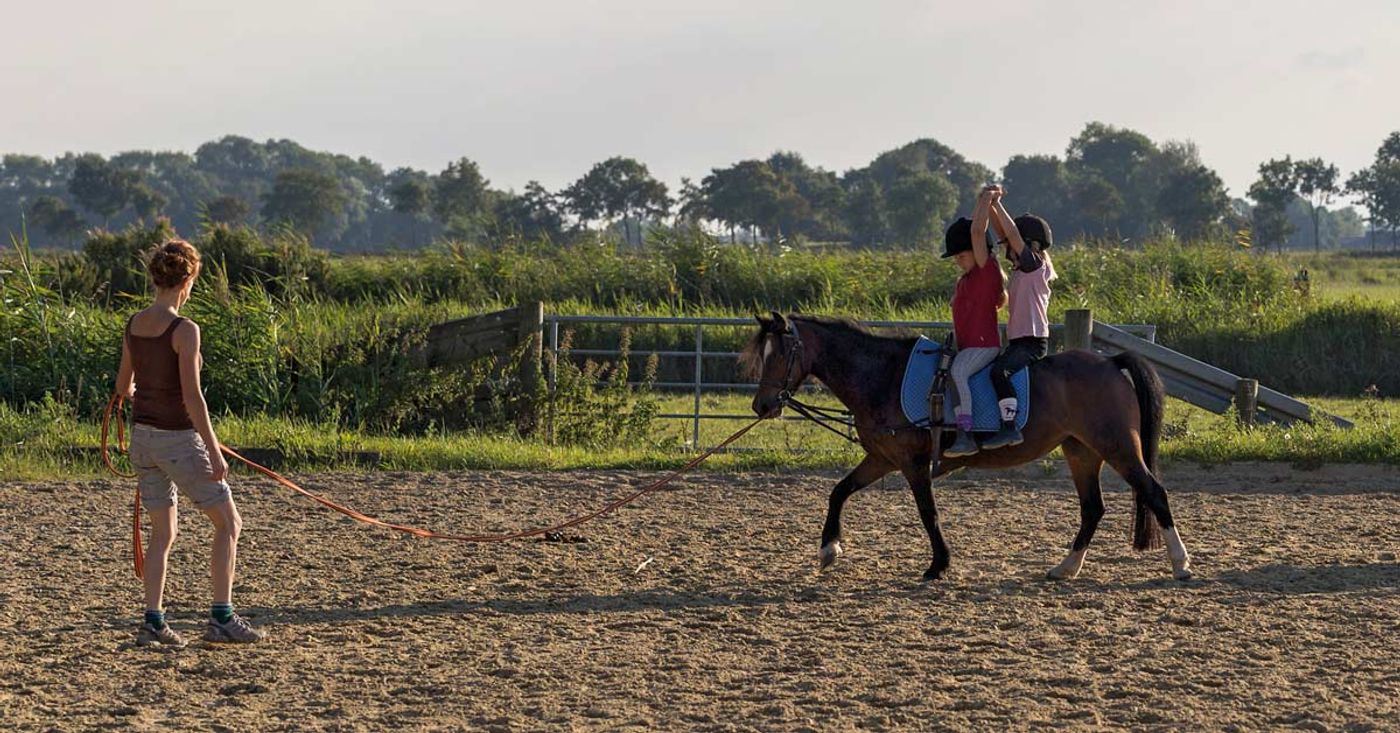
<point>700,608</point>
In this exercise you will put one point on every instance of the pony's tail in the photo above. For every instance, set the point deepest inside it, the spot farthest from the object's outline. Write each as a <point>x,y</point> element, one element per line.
<point>1151,397</point>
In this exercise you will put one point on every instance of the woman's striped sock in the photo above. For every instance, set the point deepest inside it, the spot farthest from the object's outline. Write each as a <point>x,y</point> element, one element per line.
<point>221,612</point>
<point>155,618</point>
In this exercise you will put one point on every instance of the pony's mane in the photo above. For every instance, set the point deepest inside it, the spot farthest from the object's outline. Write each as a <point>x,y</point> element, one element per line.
<point>751,356</point>
<point>851,325</point>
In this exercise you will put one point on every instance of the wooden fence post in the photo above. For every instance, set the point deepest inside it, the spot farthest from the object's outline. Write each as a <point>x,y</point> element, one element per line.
<point>531,333</point>
<point>1079,329</point>
<point>1246,401</point>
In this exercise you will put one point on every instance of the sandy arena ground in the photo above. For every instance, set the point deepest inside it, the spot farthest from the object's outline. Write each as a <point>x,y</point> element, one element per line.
<point>699,609</point>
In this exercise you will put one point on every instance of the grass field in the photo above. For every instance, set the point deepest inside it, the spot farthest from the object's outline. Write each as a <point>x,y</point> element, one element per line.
<point>1387,292</point>
<point>36,444</point>
<point>1360,275</point>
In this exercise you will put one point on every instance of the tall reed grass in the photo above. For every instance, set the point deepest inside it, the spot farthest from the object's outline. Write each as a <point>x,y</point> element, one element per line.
<point>289,331</point>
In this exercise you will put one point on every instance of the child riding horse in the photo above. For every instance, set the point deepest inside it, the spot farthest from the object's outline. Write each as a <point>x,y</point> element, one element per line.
<point>1082,402</point>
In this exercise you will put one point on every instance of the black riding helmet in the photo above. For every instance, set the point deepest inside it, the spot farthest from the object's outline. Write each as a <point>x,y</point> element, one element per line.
<point>958,238</point>
<point>1035,229</point>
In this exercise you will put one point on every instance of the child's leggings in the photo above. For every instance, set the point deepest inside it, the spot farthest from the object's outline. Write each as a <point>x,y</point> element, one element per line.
<point>966,363</point>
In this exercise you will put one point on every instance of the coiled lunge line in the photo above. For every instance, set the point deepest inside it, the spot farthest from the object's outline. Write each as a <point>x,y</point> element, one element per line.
<point>115,405</point>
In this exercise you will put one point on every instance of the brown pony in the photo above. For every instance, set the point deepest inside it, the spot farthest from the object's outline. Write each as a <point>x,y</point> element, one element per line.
<point>1079,401</point>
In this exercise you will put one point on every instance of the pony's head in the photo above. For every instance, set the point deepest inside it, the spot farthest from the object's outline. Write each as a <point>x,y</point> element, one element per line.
<point>774,356</point>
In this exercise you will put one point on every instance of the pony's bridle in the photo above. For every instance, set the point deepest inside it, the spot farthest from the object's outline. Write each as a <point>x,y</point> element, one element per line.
<point>792,352</point>
<point>824,417</point>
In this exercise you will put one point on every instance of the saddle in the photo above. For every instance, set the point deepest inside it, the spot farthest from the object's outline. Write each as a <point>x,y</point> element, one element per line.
<point>986,416</point>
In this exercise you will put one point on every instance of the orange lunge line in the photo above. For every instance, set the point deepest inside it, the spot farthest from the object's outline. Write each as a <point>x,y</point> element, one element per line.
<point>138,554</point>
<point>115,404</point>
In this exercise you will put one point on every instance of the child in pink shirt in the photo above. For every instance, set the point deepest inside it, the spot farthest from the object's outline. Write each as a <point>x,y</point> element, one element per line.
<point>1028,299</point>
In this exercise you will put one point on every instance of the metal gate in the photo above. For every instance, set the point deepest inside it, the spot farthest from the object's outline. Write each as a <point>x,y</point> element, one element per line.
<point>692,330</point>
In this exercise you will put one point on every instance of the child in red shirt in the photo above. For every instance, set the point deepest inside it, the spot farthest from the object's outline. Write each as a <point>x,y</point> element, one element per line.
<point>979,293</point>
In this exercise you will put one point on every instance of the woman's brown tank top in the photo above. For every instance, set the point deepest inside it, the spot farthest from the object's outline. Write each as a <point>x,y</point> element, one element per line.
<point>159,402</point>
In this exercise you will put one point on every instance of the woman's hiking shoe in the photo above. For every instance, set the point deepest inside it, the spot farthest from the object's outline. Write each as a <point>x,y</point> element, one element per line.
<point>963,446</point>
<point>1007,436</point>
<point>234,631</point>
<point>149,634</point>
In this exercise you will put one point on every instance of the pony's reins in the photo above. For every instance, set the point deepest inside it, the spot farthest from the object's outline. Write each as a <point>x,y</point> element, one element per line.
<point>822,417</point>
<point>116,402</point>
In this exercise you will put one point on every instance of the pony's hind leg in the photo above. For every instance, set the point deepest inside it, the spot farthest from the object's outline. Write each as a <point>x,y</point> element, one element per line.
<point>1084,467</point>
<point>1151,504</point>
<point>868,472</point>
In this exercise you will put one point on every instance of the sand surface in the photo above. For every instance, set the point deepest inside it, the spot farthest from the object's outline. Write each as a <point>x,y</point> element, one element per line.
<point>699,608</point>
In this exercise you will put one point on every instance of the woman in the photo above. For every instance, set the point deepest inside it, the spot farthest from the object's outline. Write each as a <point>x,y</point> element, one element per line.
<point>173,444</point>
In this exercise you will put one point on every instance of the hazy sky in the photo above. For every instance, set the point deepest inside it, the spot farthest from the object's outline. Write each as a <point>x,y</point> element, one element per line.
<point>544,89</point>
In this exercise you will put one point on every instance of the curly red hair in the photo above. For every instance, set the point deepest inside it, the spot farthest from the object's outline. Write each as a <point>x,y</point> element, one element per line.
<point>173,263</point>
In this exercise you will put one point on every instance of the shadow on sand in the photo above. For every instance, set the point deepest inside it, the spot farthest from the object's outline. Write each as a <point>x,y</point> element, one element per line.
<point>582,603</point>
<point>1281,578</point>
<point>1278,578</point>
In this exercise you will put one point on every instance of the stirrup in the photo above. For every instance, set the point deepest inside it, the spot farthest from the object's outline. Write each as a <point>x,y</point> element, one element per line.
<point>957,451</point>
<point>1003,438</point>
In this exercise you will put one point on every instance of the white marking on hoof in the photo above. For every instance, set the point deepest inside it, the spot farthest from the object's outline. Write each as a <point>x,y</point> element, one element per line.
<point>1176,551</point>
<point>1070,566</point>
<point>828,554</point>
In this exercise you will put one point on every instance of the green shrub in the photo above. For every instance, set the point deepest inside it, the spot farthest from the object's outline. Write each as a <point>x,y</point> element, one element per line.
<point>285,262</point>
<point>119,257</point>
<point>1338,348</point>
<point>592,404</point>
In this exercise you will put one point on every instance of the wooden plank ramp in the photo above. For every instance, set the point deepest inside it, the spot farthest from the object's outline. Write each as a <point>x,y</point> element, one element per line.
<point>1205,385</point>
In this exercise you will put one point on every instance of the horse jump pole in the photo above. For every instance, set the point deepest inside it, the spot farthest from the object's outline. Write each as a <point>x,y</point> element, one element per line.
<point>1079,329</point>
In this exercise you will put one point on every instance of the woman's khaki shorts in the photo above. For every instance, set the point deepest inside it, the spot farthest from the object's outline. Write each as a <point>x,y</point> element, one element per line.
<point>165,459</point>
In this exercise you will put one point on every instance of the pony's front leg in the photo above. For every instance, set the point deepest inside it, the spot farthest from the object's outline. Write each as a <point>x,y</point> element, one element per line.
<point>922,485</point>
<point>868,472</point>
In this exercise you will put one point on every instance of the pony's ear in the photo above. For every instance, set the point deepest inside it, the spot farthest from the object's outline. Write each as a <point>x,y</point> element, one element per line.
<point>780,323</point>
<point>762,322</point>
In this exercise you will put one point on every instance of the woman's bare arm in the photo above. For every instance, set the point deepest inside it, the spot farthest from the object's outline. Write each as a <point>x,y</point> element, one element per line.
<point>126,375</point>
<point>186,343</point>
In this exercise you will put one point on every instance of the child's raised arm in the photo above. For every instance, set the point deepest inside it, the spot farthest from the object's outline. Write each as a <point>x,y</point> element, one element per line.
<point>980,214</point>
<point>1006,227</point>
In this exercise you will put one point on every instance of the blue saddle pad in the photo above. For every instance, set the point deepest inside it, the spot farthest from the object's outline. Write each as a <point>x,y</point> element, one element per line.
<point>986,416</point>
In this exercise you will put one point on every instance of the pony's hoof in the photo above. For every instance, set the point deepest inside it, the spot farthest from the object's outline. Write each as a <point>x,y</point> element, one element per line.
<point>1181,567</point>
<point>828,554</point>
<point>933,573</point>
<point>1069,568</point>
<point>1176,552</point>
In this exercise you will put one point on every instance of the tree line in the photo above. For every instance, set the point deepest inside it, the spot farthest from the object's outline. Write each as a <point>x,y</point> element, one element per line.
<point>1112,182</point>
